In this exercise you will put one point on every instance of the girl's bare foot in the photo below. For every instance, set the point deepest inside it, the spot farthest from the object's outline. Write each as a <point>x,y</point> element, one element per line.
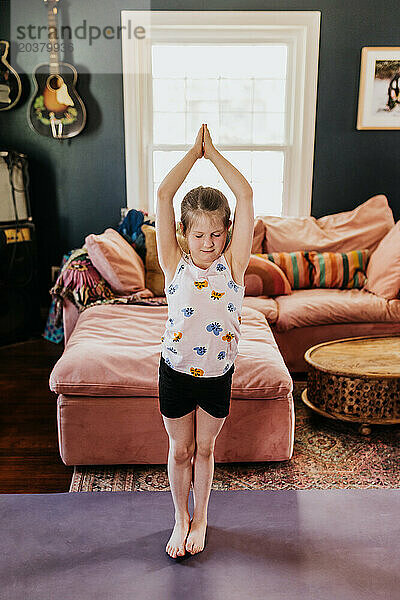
<point>196,537</point>
<point>176,543</point>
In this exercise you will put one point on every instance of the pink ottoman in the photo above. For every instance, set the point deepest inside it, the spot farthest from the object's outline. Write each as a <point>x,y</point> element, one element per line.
<point>107,386</point>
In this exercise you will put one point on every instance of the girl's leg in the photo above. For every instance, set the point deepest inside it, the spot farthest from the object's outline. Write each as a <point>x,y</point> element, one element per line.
<point>207,429</point>
<point>181,447</point>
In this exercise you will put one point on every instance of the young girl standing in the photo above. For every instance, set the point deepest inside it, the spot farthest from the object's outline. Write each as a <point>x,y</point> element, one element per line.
<point>204,289</point>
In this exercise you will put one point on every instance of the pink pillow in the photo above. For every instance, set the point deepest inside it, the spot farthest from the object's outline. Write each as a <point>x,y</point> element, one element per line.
<point>383,271</point>
<point>258,236</point>
<point>116,261</point>
<point>264,278</point>
<point>362,227</point>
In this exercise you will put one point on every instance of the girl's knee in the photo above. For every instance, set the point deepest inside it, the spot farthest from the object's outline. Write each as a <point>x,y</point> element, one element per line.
<point>182,452</point>
<point>205,448</point>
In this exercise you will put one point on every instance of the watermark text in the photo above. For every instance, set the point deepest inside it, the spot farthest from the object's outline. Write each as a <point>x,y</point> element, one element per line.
<point>80,32</point>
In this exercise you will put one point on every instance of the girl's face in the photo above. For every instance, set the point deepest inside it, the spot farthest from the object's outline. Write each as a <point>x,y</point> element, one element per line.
<point>206,239</point>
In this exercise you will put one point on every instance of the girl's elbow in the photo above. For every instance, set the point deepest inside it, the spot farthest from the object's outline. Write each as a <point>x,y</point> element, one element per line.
<point>246,195</point>
<point>248,192</point>
<point>163,194</point>
<point>160,191</point>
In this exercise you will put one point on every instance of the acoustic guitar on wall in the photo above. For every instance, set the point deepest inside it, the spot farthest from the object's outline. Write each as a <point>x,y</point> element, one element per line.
<point>10,82</point>
<point>56,110</point>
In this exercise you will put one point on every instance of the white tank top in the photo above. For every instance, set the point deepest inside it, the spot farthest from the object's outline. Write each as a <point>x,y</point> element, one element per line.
<point>204,316</point>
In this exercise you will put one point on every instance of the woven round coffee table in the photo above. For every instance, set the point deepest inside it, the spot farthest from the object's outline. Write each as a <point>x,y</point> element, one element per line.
<point>355,379</point>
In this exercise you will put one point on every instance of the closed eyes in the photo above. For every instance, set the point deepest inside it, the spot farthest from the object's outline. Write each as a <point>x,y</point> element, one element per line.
<point>215,234</point>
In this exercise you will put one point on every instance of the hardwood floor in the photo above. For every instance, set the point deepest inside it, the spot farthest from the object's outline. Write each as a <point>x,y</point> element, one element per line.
<point>30,462</point>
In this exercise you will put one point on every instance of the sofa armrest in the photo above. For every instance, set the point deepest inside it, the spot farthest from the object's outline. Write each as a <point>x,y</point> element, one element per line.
<point>70,317</point>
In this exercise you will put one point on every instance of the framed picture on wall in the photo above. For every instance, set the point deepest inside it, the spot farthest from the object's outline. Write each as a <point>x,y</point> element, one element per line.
<point>379,91</point>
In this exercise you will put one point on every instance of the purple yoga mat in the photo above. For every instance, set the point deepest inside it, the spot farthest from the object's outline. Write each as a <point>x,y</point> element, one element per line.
<point>293,544</point>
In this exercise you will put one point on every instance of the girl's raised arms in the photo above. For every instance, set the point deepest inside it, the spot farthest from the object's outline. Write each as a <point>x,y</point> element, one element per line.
<point>239,248</point>
<point>169,251</point>
<point>243,222</point>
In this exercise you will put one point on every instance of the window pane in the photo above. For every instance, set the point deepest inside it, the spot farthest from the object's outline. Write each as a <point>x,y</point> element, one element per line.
<point>163,162</point>
<point>267,198</point>
<point>169,128</point>
<point>238,90</point>
<point>236,94</point>
<point>202,89</point>
<point>242,160</point>
<point>220,60</point>
<point>267,165</point>
<point>269,95</point>
<point>168,93</point>
<point>268,126</point>
<point>235,128</point>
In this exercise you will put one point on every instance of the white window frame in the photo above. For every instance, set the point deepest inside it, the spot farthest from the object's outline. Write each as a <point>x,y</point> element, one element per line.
<point>299,29</point>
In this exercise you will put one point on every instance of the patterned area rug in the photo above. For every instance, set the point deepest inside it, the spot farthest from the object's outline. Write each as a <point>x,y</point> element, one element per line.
<point>327,454</point>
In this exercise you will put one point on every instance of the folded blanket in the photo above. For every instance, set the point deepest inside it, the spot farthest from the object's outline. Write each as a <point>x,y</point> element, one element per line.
<point>132,299</point>
<point>80,282</point>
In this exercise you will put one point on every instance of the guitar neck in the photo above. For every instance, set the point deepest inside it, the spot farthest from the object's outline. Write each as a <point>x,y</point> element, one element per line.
<point>52,18</point>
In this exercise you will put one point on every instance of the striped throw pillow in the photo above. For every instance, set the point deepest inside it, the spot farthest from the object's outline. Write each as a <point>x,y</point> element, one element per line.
<point>311,269</point>
<point>343,270</point>
<point>296,266</point>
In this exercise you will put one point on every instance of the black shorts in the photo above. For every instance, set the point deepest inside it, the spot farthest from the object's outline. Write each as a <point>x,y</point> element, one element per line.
<point>179,393</point>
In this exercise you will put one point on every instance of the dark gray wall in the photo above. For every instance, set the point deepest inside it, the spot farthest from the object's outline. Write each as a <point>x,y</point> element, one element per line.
<point>78,186</point>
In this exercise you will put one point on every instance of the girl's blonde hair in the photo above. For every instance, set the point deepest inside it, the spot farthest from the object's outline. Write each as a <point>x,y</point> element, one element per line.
<point>204,200</point>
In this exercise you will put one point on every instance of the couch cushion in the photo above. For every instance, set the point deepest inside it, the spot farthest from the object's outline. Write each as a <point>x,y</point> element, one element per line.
<point>114,350</point>
<point>320,306</point>
<point>383,270</point>
<point>155,280</point>
<point>264,278</point>
<point>296,266</point>
<point>362,227</point>
<point>339,269</point>
<point>116,261</point>
<point>309,269</point>
<point>265,305</point>
<point>258,236</point>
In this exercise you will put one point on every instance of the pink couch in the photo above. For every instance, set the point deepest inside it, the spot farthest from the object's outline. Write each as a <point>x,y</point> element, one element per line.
<point>107,378</point>
<point>311,316</point>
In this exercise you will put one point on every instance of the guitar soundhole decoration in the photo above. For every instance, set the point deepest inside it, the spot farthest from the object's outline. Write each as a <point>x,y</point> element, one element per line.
<point>54,82</point>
